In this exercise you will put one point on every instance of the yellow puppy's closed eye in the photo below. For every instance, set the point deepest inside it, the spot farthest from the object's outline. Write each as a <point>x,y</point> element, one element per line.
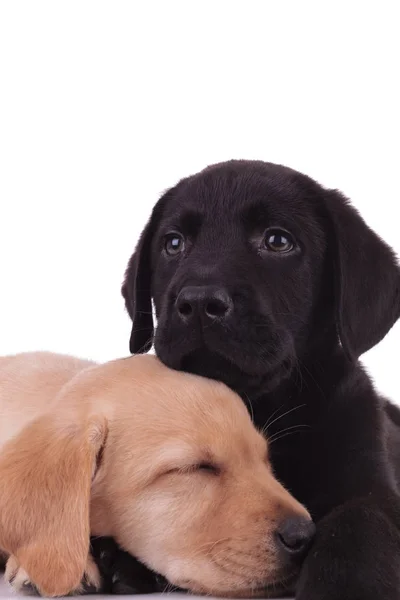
<point>181,458</point>
<point>208,468</point>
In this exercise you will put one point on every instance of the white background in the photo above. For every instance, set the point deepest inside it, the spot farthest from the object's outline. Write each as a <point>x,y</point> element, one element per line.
<point>103,105</point>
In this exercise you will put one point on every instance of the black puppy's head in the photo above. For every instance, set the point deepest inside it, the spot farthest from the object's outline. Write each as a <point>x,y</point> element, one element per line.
<point>251,267</point>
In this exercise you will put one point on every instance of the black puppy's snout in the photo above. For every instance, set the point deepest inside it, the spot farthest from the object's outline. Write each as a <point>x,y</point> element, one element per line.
<point>203,301</point>
<point>295,535</point>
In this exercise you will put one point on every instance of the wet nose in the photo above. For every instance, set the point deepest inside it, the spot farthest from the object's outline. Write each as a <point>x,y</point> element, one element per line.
<point>211,303</point>
<point>295,535</point>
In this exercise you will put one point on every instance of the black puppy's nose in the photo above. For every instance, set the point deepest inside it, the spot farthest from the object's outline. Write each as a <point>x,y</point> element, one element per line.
<point>204,301</point>
<point>295,535</point>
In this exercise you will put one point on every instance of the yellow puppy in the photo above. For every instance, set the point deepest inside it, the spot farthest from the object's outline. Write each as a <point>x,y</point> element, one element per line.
<point>167,463</point>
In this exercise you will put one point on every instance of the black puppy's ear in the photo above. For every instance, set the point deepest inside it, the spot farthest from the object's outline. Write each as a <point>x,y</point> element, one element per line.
<point>136,291</point>
<point>367,279</point>
<point>136,288</point>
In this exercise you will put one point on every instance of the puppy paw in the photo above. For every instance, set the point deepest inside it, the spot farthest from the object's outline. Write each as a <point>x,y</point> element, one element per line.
<point>17,577</point>
<point>91,581</point>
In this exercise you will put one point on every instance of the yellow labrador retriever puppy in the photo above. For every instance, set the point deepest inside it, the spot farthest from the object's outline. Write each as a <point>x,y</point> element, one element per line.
<point>167,463</point>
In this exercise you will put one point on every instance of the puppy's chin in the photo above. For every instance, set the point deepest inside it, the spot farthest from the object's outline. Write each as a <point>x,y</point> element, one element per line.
<point>280,589</point>
<point>214,365</point>
<point>209,363</point>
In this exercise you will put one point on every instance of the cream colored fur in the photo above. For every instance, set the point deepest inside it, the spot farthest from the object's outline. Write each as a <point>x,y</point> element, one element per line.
<point>120,449</point>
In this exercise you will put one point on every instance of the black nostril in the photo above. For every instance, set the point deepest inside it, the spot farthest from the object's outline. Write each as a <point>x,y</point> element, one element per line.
<point>218,305</point>
<point>216,308</point>
<point>185,309</point>
<point>295,535</point>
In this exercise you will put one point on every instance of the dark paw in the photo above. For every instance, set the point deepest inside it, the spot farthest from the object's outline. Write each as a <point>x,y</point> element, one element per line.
<point>121,573</point>
<point>355,556</point>
<point>328,577</point>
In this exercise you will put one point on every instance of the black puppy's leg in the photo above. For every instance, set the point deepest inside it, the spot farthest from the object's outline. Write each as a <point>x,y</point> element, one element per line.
<point>122,573</point>
<point>355,556</point>
<point>132,577</point>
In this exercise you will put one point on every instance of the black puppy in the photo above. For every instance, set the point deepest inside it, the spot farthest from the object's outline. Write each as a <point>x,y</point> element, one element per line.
<point>265,280</point>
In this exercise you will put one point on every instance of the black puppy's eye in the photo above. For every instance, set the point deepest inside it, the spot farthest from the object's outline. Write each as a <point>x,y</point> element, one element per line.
<point>174,244</point>
<point>278,240</point>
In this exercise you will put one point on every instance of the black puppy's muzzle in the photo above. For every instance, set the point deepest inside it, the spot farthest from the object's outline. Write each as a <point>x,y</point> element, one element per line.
<point>204,304</point>
<point>222,333</point>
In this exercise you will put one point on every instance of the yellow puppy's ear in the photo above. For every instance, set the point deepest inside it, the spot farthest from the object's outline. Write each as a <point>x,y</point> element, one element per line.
<point>45,481</point>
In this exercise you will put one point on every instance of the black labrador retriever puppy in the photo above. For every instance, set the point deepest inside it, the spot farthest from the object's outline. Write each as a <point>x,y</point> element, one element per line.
<point>267,281</point>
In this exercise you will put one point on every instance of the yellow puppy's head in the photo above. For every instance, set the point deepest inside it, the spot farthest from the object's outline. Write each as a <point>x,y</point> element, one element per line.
<point>168,463</point>
<point>187,487</point>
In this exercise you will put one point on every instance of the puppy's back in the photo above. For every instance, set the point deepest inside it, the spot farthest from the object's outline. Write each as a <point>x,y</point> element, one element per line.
<point>28,384</point>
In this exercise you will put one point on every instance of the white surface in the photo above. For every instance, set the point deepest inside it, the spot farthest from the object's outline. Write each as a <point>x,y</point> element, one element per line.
<point>5,593</point>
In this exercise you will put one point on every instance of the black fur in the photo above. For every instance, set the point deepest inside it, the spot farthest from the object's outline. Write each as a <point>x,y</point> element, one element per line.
<point>290,347</point>
<point>121,573</point>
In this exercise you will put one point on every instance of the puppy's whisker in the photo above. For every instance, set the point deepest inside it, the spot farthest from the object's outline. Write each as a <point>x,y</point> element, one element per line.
<point>270,421</point>
<point>212,545</point>
<point>288,431</point>
<point>307,370</point>
<point>265,429</point>
<point>249,406</point>
<point>168,589</point>
<point>286,435</point>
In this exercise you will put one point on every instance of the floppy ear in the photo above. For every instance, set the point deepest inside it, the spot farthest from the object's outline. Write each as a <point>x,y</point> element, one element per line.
<point>45,481</point>
<point>136,288</point>
<point>367,279</point>
<point>136,291</point>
